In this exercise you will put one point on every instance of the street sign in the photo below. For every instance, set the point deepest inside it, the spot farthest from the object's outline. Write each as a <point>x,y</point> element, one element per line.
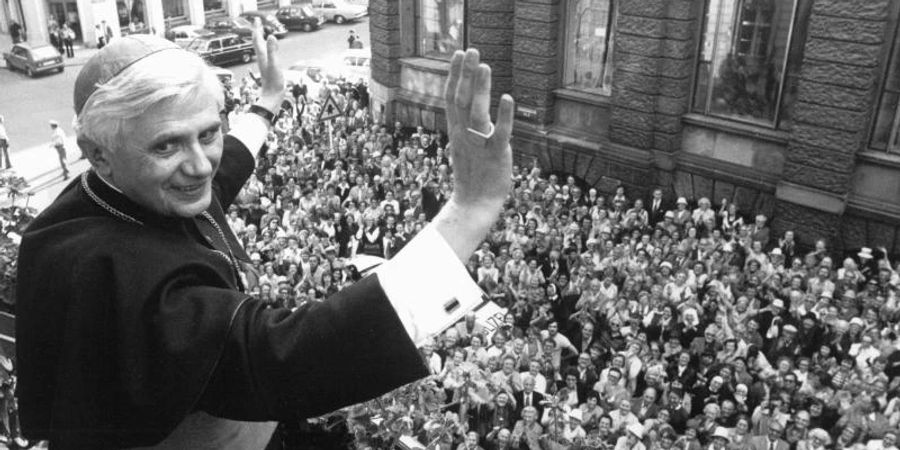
<point>330,110</point>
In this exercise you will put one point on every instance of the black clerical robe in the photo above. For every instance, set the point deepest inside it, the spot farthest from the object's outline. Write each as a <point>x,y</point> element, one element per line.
<point>126,328</point>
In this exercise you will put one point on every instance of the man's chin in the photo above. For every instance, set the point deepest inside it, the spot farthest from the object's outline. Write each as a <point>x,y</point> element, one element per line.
<point>189,209</point>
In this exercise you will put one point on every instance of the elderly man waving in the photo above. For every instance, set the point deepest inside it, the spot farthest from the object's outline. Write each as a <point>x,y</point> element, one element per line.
<point>143,337</point>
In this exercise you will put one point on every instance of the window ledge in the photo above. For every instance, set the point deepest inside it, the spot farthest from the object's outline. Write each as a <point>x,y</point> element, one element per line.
<point>739,128</point>
<point>437,66</point>
<point>880,158</point>
<point>582,96</point>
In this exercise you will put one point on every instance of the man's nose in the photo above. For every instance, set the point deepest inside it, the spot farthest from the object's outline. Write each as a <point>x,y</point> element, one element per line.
<point>197,163</point>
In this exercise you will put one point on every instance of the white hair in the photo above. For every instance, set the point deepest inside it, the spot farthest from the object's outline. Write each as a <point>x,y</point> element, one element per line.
<point>162,77</point>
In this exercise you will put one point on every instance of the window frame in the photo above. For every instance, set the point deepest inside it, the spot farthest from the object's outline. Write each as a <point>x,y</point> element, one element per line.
<point>417,51</point>
<point>612,27</point>
<point>892,36</point>
<point>776,122</point>
<point>218,13</point>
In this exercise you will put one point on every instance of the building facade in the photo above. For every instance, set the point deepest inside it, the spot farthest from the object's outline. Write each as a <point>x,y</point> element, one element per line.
<point>784,107</point>
<point>87,17</point>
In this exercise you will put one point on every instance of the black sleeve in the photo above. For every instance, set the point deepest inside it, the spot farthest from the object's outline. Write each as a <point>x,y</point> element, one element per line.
<point>282,365</point>
<point>234,169</point>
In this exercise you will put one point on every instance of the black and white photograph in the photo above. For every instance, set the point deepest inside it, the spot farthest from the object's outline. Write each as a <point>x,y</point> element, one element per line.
<point>450,224</point>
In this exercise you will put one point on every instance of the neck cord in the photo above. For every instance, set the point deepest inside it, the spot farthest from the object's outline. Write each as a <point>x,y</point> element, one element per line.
<point>119,214</point>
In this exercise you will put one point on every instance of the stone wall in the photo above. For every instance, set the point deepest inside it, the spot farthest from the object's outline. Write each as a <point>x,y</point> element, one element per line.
<point>653,66</point>
<point>491,32</point>
<point>837,84</point>
<point>536,60</point>
<point>385,36</point>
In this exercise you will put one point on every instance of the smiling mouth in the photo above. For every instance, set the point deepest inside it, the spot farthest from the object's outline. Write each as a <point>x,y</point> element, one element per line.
<point>190,188</point>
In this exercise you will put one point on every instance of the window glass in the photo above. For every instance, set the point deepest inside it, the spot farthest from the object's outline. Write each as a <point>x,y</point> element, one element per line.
<point>747,47</point>
<point>174,9</point>
<point>214,6</point>
<point>589,35</point>
<point>440,26</point>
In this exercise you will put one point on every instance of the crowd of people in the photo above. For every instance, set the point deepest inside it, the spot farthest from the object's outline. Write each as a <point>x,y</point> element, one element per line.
<point>630,323</point>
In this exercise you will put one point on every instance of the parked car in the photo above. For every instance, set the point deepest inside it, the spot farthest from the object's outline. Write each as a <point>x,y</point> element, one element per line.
<point>339,11</point>
<point>184,34</point>
<point>355,64</point>
<point>34,60</point>
<point>239,26</point>
<point>222,49</point>
<point>269,21</point>
<point>300,17</point>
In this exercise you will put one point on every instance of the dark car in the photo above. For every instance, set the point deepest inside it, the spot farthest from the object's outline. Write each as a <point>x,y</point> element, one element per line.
<point>237,25</point>
<point>34,60</point>
<point>269,21</point>
<point>222,49</point>
<point>299,17</point>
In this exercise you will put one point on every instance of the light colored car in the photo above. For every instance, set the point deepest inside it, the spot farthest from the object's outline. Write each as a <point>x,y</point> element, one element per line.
<point>315,75</point>
<point>184,34</point>
<point>34,60</point>
<point>339,11</point>
<point>355,64</point>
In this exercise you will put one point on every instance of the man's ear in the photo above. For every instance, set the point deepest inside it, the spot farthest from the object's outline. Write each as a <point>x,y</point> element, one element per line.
<point>97,155</point>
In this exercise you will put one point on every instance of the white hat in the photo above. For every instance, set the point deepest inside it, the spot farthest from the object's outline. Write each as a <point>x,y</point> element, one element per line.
<point>670,214</point>
<point>778,303</point>
<point>575,414</point>
<point>865,253</point>
<point>636,429</point>
<point>776,251</point>
<point>721,432</point>
<point>681,200</point>
<point>857,321</point>
<point>790,328</point>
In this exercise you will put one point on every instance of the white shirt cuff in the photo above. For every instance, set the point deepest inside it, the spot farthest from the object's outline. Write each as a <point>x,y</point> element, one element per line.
<point>251,130</point>
<point>428,286</point>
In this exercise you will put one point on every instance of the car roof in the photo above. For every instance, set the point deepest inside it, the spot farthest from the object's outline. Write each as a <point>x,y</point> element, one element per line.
<point>187,28</point>
<point>258,13</point>
<point>212,36</point>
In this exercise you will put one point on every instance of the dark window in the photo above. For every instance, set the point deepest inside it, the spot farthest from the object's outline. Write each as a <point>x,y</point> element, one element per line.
<point>749,59</point>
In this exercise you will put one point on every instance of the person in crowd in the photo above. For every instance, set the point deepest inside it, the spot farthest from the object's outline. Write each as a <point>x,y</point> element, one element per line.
<point>58,142</point>
<point>4,145</point>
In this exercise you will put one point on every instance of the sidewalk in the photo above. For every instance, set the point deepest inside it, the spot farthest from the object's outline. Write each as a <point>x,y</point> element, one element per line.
<point>82,52</point>
<point>39,166</point>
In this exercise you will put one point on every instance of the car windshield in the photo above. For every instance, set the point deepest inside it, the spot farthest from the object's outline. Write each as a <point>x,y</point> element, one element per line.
<point>44,52</point>
<point>271,18</point>
<point>308,11</point>
<point>242,22</point>
<point>197,44</point>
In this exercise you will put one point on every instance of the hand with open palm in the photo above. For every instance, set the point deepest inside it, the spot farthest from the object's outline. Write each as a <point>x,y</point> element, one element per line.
<point>480,154</point>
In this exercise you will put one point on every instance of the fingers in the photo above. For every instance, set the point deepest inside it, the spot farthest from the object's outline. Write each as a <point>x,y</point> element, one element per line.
<point>272,51</point>
<point>259,43</point>
<point>480,113</point>
<point>465,89</point>
<point>505,116</point>
<point>450,87</point>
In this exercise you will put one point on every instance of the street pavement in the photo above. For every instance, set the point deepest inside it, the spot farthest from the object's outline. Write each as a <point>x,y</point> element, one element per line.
<point>29,104</point>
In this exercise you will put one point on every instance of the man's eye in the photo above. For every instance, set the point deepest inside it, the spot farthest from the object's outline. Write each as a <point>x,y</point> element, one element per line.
<point>165,147</point>
<point>209,135</point>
